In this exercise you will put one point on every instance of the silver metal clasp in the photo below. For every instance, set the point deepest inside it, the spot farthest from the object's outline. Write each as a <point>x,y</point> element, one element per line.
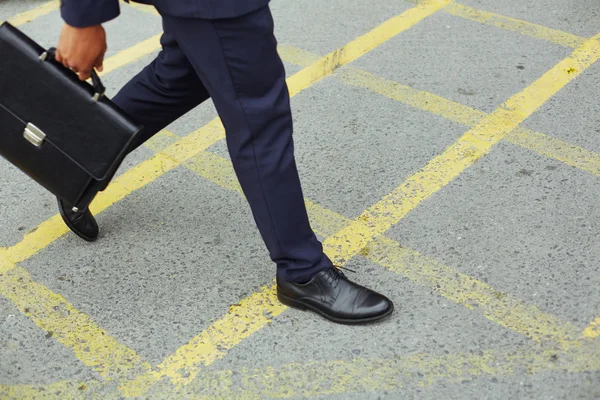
<point>34,135</point>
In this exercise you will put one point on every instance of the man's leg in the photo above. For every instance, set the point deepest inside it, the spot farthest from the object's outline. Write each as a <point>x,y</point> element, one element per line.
<point>162,92</point>
<point>237,61</point>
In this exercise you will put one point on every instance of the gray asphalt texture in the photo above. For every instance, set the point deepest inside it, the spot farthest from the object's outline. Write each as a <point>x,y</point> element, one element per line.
<point>173,256</point>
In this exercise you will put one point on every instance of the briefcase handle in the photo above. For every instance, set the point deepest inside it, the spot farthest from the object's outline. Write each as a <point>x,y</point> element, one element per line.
<point>99,88</point>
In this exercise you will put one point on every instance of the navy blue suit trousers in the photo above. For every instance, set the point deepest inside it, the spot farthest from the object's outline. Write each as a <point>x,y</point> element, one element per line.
<point>235,62</point>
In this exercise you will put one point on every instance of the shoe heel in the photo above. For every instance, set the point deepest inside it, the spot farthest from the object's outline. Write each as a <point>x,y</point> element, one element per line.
<point>291,302</point>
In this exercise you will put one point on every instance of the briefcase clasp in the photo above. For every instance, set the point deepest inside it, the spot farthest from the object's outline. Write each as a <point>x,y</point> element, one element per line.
<point>34,135</point>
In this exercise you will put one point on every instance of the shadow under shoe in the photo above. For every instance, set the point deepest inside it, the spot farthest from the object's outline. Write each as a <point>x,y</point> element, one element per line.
<point>82,223</point>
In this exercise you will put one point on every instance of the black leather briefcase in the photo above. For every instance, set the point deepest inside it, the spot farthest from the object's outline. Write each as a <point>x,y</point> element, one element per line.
<point>63,133</point>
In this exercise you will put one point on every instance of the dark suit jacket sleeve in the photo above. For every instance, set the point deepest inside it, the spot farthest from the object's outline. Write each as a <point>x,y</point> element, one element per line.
<point>84,13</point>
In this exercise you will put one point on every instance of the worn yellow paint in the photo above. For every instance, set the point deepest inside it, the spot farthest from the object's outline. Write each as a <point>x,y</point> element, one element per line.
<point>161,141</point>
<point>297,56</point>
<point>358,375</point>
<point>593,329</point>
<point>474,144</point>
<point>131,54</point>
<point>242,320</point>
<point>37,12</point>
<point>134,179</point>
<point>379,218</point>
<point>515,25</point>
<point>363,44</point>
<point>567,153</point>
<point>216,169</point>
<point>502,308</point>
<point>364,375</point>
<point>188,147</point>
<point>416,98</point>
<point>220,171</point>
<point>63,322</point>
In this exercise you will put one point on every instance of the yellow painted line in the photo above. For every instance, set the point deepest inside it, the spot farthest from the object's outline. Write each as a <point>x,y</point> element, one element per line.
<point>501,308</point>
<point>363,44</point>
<point>297,56</point>
<point>364,375</point>
<point>161,141</point>
<point>416,98</point>
<point>338,377</point>
<point>242,320</point>
<point>593,329</point>
<point>473,145</point>
<point>567,153</point>
<point>298,82</point>
<point>63,322</point>
<point>515,25</point>
<point>134,179</point>
<point>131,54</point>
<point>199,141</point>
<point>441,170</point>
<point>220,171</point>
<point>216,169</point>
<point>193,144</point>
<point>37,12</point>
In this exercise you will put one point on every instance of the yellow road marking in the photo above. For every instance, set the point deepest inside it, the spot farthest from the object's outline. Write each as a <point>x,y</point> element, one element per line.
<point>220,171</point>
<point>298,82</point>
<point>335,377</point>
<point>69,326</point>
<point>363,44</point>
<point>515,25</point>
<point>37,12</point>
<point>416,98</point>
<point>131,54</point>
<point>477,142</point>
<point>363,375</point>
<point>135,178</point>
<point>297,56</point>
<point>195,143</point>
<point>161,141</point>
<point>501,308</point>
<point>542,144</point>
<point>593,329</point>
<point>242,320</point>
<point>567,153</point>
<point>473,145</point>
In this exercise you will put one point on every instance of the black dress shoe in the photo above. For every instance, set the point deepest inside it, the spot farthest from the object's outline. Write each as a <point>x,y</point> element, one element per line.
<point>336,298</point>
<point>82,223</point>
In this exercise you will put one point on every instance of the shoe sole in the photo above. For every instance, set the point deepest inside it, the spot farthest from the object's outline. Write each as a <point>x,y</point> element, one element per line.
<point>306,307</point>
<point>71,227</point>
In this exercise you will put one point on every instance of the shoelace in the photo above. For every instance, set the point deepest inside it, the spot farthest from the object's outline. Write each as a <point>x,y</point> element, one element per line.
<point>334,275</point>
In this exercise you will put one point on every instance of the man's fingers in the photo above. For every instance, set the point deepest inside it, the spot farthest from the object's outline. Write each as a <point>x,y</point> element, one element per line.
<point>85,75</point>
<point>58,56</point>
